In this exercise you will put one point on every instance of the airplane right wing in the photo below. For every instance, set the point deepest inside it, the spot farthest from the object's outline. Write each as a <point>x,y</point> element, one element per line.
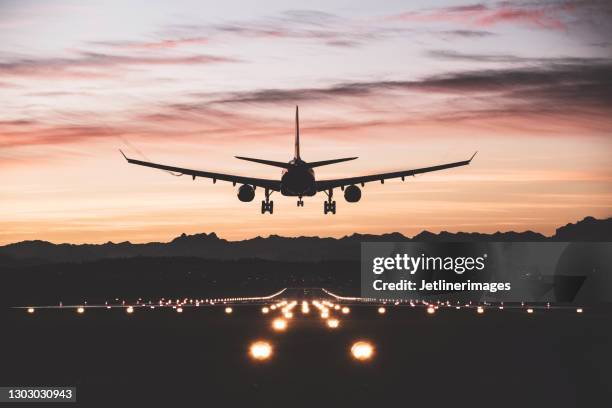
<point>324,185</point>
<point>273,185</point>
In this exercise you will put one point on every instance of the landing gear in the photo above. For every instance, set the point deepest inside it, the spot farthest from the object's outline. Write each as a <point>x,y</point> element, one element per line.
<point>329,205</point>
<point>267,205</point>
<point>300,202</point>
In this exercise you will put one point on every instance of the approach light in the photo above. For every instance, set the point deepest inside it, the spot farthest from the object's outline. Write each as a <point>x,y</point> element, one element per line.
<point>130,310</point>
<point>431,310</point>
<point>382,310</point>
<point>228,310</point>
<point>265,310</point>
<point>279,324</point>
<point>345,310</point>
<point>80,310</point>
<point>30,310</point>
<point>333,323</point>
<point>362,350</point>
<point>260,350</point>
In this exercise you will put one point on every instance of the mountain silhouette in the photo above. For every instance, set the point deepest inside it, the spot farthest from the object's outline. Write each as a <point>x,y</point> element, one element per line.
<point>277,248</point>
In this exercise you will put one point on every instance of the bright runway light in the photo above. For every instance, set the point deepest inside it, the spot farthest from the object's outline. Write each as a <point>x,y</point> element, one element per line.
<point>530,310</point>
<point>228,310</point>
<point>279,324</point>
<point>333,323</point>
<point>324,314</point>
<point>345,310</point>
<point>30,310</point>
<point>265,310</point>
<point>260,350</point>
<point>288,315</point>
<point>337,307</point>
<point>579,310</point>
<point>362,351</point>
<point>480,310</point>
<point>431,310</point>
<point>130,310</point>
<point>179,310</point>
<point>382,310</point>
<point>80,310</point>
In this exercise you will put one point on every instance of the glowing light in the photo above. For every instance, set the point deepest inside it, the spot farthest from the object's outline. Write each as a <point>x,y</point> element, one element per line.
<point>179,310</point>
<point>579,310</point>
<point>273,307</point>
<point>130,310</point>
<point>337,307</point>
<point>30,310</point>
<point>288,315</point>
<point>382,310</point>
<point>530,310</point>
<point>480,310</point>
<point>228,310</point>
<point>265,310</point>
<point>345,310</point>
<point>333,323</point>
<point>431,310</point>
<point>362,350</point>
<point>324,314</point>
<point>80,310</point>
<point>260,350</point>
<point>279,324</point>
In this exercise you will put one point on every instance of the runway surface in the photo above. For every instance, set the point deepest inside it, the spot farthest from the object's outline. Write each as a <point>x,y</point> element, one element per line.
<point>552,357</point>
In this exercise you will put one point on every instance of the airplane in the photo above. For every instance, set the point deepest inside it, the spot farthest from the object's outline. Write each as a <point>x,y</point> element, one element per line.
<point>298,178</point>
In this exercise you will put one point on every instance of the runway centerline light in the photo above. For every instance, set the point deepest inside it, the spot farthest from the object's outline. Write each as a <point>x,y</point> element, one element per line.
<point>179,310</point>
<point>362,350</point>
<point>382,310</point>
<point>345,310</point>
<point>480,310</point>
<point>129,310</point>
<point>530,310</point>
<point>228,310</point>
<point>30,310</point>
<point>579,310</point>
<point>80,310</point>
<point>265,310</point>
<point>333,323</point>
<point>431,310</point>
<point>260,350</point>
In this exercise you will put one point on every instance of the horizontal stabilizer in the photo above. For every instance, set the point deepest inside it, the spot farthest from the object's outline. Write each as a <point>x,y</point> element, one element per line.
<point>326,162</point>
<point>266,162</point>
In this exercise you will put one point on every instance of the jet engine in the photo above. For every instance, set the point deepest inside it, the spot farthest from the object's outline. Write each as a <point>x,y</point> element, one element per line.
<point>352,194</point>
<point>246,193</point>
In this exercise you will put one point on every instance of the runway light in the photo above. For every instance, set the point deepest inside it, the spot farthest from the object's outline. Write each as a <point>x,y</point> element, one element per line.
<point>130,310</point>
<point>362,351</point>
<point>265,310</point>
<point>579,310</point>
<point>333,323</point>
<point>431,310</point>
<point>337,307</point>
<point>260,350</point>
<point>324,314</point>
<point>345,310</point>
<point>279,324</point>
<point>30,310</point>
<point>480,310</point>
<point>179,310</point>
<point>530,310</point>
<point>382,310</point>
<point>288,315</point>
<point>80,310</point>
<point>228,310</point>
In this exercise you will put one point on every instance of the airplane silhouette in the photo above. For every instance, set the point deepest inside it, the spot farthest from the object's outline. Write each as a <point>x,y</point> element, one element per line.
<point>298,178</point>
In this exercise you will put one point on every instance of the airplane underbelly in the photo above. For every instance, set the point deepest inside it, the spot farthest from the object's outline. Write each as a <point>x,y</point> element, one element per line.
<point>298,184</point>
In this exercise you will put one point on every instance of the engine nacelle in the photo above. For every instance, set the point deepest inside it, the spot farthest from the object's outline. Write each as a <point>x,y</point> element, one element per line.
<point>352,194</point>
<point>246,193</point>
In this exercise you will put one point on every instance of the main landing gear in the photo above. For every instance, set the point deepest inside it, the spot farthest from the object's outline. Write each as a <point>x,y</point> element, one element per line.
<point>329,205</point>
<point>267,205</point>
<point>300,202</point>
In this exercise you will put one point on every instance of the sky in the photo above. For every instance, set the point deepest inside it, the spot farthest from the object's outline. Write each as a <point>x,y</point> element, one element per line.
<point>527,84</point>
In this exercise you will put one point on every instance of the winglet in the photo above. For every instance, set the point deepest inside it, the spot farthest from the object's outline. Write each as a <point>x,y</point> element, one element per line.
<point>124,155</point>
<point>474,155</point>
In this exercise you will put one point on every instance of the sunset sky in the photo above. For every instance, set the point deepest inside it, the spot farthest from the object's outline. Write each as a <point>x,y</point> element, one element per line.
<point>527,84</point>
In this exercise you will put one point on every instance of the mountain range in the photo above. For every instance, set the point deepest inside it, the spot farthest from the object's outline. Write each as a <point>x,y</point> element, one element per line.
<point>277,248</point>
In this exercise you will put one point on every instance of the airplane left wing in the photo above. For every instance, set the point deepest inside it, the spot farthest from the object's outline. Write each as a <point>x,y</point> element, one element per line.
<point>325,185</point>
<point>273,185</point>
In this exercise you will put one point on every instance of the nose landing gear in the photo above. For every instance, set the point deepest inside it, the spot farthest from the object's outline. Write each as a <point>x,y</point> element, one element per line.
<point>329,205</point>
<point>267,205</point>
<point>300,202</point>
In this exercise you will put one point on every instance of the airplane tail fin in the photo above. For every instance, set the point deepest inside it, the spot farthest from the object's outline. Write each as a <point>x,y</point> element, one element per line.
<point>297,133</point>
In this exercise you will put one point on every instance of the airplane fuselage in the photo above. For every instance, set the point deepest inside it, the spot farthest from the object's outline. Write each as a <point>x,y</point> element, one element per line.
<point>298,180</point>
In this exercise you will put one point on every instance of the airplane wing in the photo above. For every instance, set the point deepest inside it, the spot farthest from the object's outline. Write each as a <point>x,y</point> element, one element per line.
<point>324,185</point>
<point>273,185</point>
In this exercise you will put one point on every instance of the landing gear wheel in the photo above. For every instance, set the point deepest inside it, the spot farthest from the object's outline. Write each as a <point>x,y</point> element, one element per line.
<point>267,206</point>
<point>300,203</point>
<point>329,206</point>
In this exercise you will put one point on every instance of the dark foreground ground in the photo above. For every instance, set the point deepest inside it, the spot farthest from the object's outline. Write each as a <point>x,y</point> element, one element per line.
<point>455,358</point>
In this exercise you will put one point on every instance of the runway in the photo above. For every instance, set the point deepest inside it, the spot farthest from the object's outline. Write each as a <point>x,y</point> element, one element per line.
<point>489,356</point>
